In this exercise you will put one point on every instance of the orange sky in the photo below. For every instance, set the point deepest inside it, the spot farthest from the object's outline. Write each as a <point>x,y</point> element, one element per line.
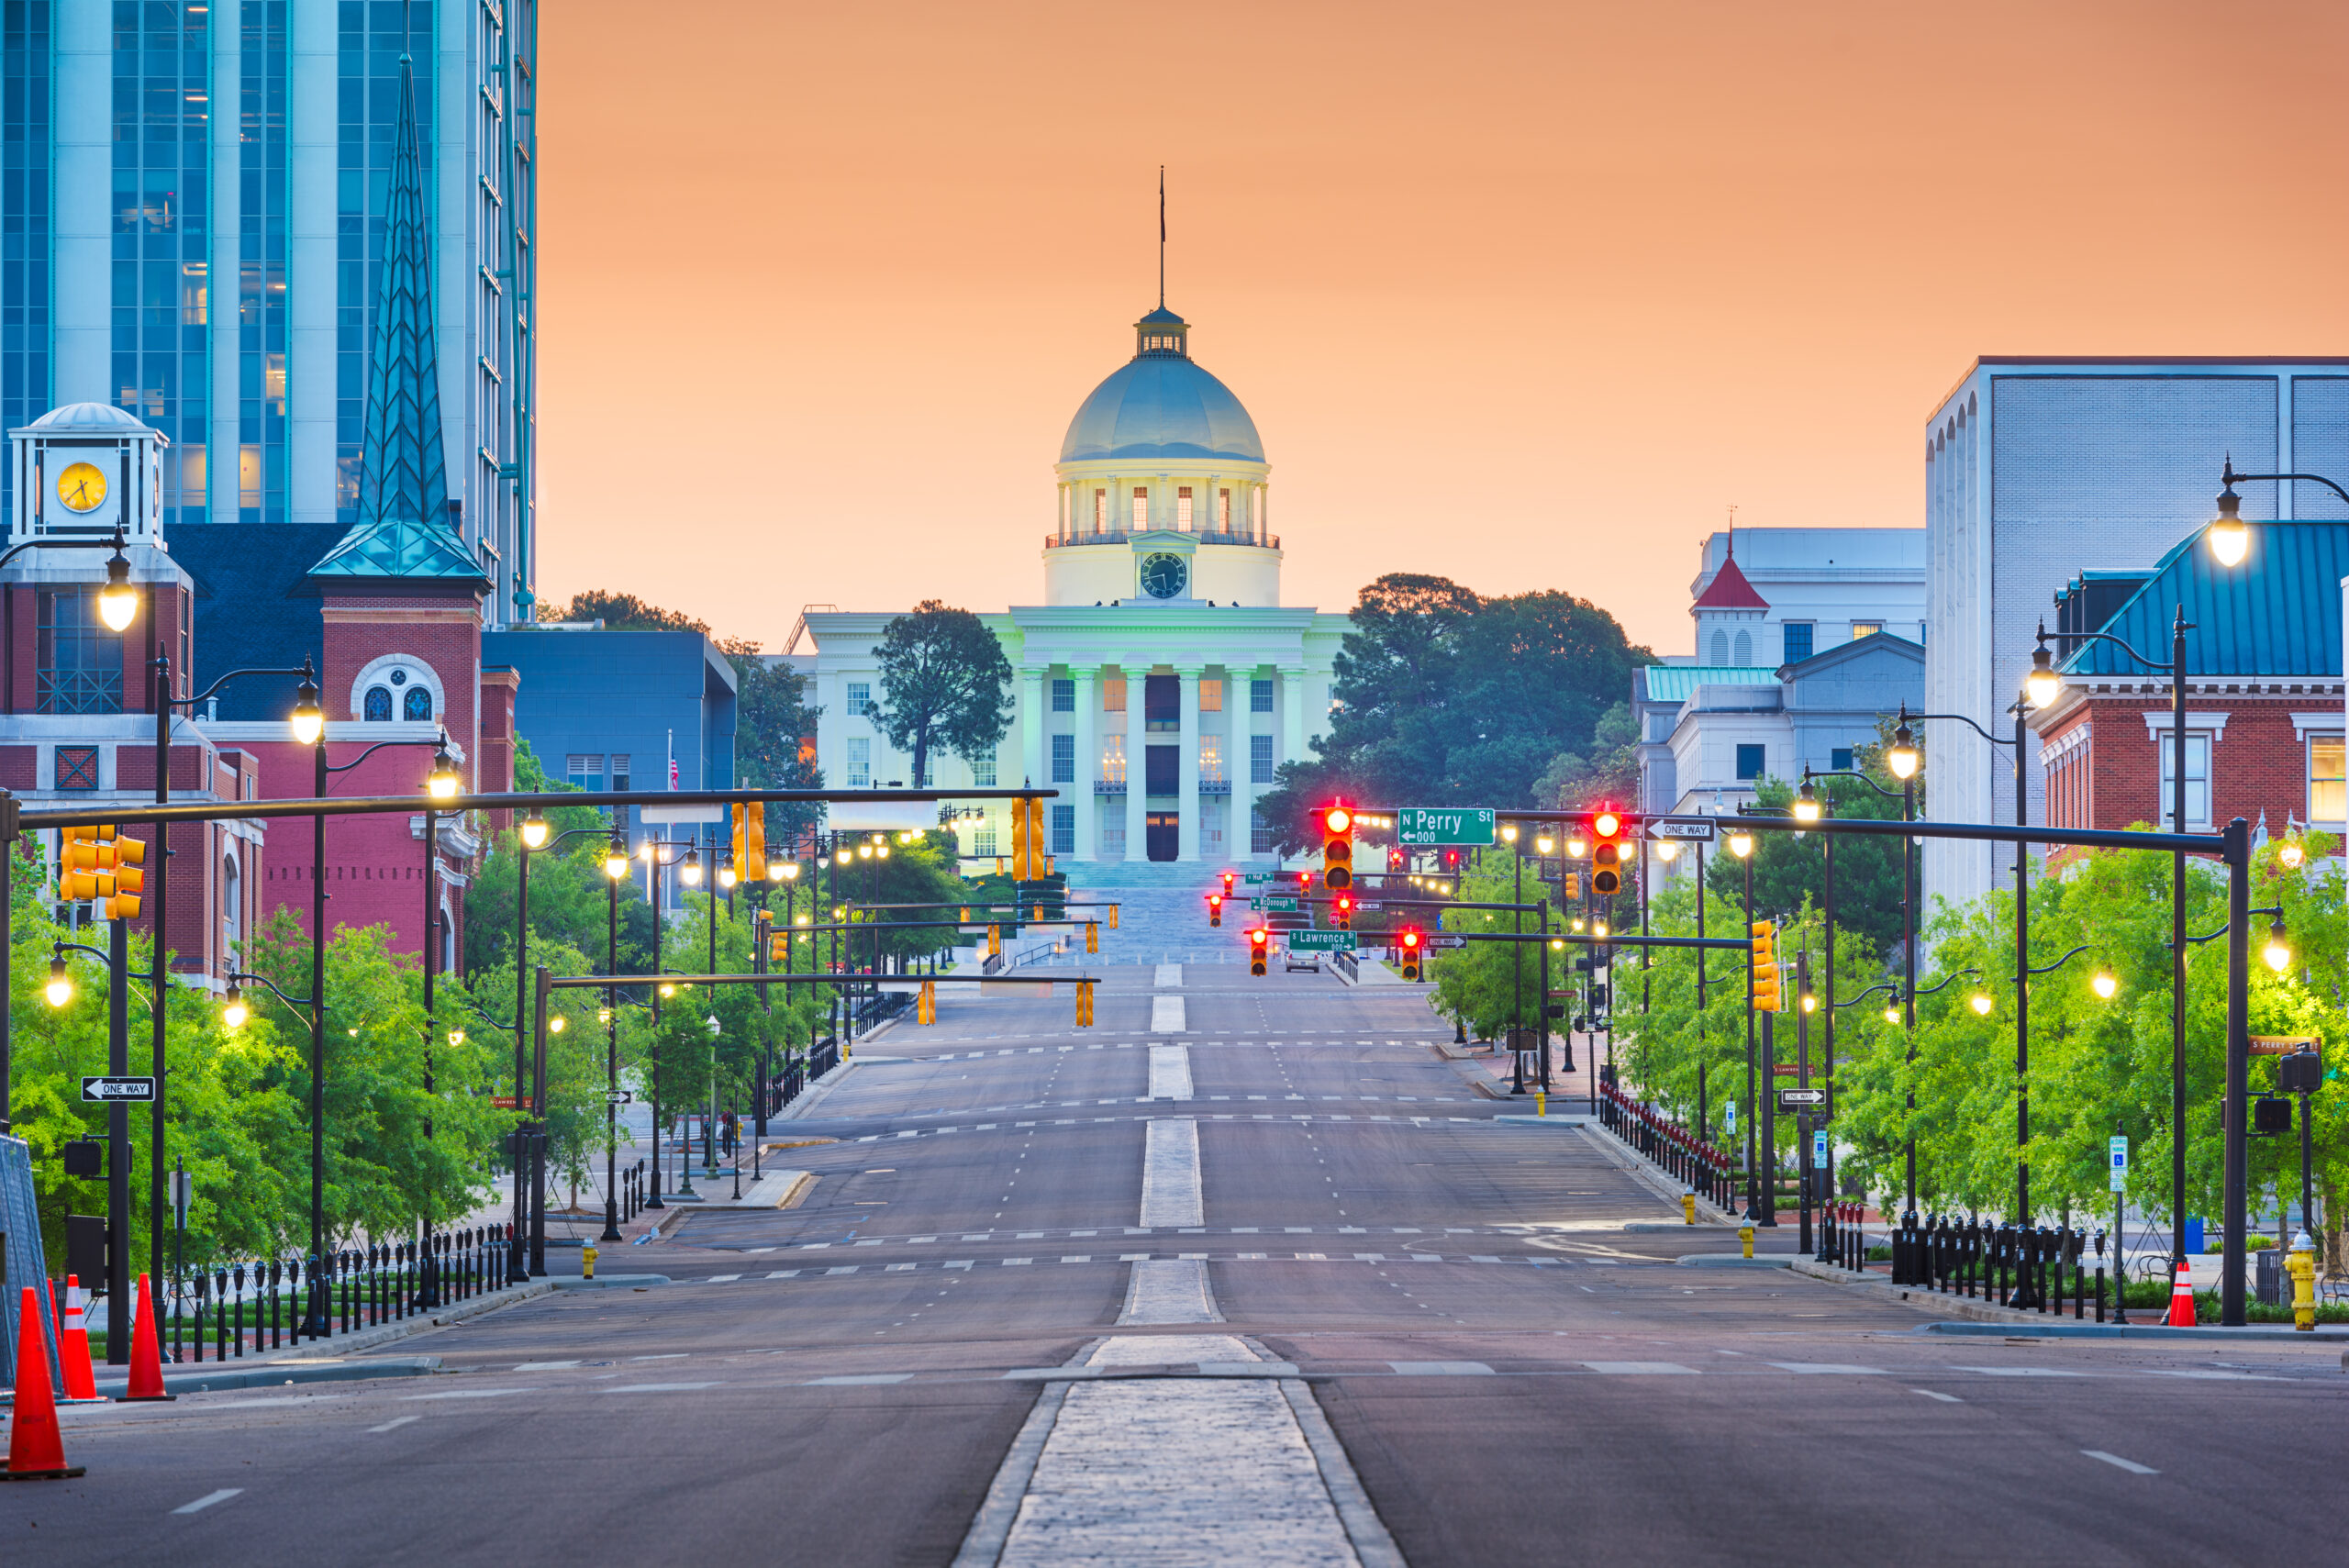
<point>1526,295</point>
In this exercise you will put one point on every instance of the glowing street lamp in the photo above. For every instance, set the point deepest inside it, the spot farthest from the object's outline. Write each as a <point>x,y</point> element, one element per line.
<point>233,1011</point>
<point>59,989</point>
<point>117,601</point>
<point>1981,1004</point>
<point>442,783</point>
<point>2278,952</point>
<point>2043,686</point>
<point>1741,844</point>
<point>1807,801</point>
<point>616,858</point>
<point>1903,757</point>
<point>2229,539</point>
<point>308,719</point>
<point>534,831</point>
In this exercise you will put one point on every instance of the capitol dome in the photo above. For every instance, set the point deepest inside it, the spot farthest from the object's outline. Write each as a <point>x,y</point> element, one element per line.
<point>1160,406</point>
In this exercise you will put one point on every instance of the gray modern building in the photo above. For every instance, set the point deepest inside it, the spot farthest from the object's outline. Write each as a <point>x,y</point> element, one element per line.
<point>606,709</point>
<point>2037,468</point>
<point>193,200</point>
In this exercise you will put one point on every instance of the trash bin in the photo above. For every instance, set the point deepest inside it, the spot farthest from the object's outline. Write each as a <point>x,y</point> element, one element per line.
<point>2270,1279</point>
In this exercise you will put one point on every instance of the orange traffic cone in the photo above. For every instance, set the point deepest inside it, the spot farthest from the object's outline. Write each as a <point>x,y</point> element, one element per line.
<point>73,1345</point>
<point>2181,1295</point>
<point>36,1446</point>
<point>146,1354</point>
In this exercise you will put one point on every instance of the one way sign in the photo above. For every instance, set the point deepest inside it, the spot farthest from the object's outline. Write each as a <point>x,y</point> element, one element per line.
<point>1800,1099</point>
<point>107,1089</point>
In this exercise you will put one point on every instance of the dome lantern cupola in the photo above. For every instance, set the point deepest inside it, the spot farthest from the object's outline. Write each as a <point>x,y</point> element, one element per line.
<point>1162,335</point>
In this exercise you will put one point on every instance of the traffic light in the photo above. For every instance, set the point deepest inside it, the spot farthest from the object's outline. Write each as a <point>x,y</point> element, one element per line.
<point>1257,941</point>
<point>1410,943</point>
<point>1452,859</point>
<point>100,864</point>
<point>1573,887</point>
<point>1093,936</point>
<point>1019,841</point>
<point>926,1008</point>
<point>751,841</point>
<point>1607,854</point>
<point>995,941</point>
<point>1394,858</point>
<point>1764,961</point>
<point>1214,908</point>
<point>1342,911</point>
<point>1229,878</point>
<point>1305,881</point>
<point>1084,1004</point>
<point>1338,847</point>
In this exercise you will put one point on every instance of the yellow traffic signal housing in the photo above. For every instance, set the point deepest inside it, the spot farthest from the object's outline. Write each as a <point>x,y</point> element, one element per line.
<point>1084,1004</point>
<point>926,1006</point>
<point>995,941</point>
<point>1338,847</point>
<point>1257,939</point>
<point>1214,908</point>
<point>1093,936</point>
<point>1019,841</point>
<point>1040,864</point>
<point>751,841</point>
<point>1607,853</point>
<point>1113,916</point>
<point>1573,888</point>
<point>1763,957</point>
<point>1411,942</point>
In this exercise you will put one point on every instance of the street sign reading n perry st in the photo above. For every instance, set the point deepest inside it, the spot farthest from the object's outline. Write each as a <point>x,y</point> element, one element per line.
<point>103,1089</point>
<point>1467,826</point>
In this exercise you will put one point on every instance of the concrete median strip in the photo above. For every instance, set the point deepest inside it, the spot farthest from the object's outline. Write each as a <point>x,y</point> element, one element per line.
<point>1170,1174</point>
<point>1170,1072</point>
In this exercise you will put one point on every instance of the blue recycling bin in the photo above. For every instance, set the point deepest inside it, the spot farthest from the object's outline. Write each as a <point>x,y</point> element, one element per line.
<point>2193,1237</point>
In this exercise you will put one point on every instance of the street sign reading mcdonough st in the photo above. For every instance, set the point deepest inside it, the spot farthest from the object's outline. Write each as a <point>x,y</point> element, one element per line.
<point>1464,826</point>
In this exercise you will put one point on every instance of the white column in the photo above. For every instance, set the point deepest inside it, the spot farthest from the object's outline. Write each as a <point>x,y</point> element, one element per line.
<point>309,265</point>
<point>1031,722</point>
<point>224,270</point>
<point>82,275</point>
<point>1089,761</point>
<point>1292,713</point>
<point>1137,764</point>
<point>1187,764</point>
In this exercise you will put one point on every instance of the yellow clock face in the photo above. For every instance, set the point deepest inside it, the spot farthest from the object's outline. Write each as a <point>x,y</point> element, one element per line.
<point>82,487</point>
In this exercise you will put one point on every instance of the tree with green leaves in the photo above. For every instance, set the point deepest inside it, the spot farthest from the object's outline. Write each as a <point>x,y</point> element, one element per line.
<point>945,686</point>
<point>1443,697</point>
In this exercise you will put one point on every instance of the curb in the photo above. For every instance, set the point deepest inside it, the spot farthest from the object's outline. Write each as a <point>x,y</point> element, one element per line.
<point>610,1282</point>
<point>1708,1212</point>
<point>1735,1260</point>
<point>197,1380</point>
<point>1982,1317</point>
<point>816,1093</point>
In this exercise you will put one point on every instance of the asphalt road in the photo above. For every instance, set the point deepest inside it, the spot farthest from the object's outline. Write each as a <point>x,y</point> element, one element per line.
<point>1509,1375</point>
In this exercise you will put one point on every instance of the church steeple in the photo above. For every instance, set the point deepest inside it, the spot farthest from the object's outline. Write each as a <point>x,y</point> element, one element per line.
<point>404,528</point>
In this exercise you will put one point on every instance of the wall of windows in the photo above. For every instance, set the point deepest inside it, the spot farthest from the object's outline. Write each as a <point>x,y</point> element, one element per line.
<point>25,88</point>
<point>1260,758</point>
<point>161,296</point>
<point>262,192</point>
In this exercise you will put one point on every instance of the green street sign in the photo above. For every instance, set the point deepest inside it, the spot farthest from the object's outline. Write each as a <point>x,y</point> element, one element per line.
<point>1287,906</point>
<point>1322,942</point>
<point>1456,825</point>
<point>1256,877</point>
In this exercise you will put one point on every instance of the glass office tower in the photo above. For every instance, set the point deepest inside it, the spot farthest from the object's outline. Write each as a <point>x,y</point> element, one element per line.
<point>192,198</point>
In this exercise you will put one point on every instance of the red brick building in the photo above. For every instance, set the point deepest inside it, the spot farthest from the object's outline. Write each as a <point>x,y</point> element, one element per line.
<point>2264,697</point>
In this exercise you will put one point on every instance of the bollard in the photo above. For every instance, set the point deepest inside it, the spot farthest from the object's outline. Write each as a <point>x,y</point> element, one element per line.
<point>1746,1239</point>
<point>2301,1263</point>
<point>587,1261</point>
<point>1688,1209</point>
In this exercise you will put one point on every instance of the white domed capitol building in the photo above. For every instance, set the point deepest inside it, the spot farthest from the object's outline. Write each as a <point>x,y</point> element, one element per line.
<point>1161,681</point>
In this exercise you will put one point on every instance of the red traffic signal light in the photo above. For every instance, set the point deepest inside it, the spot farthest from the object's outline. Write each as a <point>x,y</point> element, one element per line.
<point>1607,829</point>
<point>1410,940</point>
<point>1214,908</point>
<point>1229,878</point>
<point>1452,859</point>
<point>1338,847</point>
<point>1257,939</point>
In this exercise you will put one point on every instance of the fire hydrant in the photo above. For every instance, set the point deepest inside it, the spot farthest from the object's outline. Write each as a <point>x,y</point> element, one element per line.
<point>1541,1103</point>
<point>1746,1239</point>
<point>587,1261</point>
<point>1688,1209</point>
<point>2301,1264</point>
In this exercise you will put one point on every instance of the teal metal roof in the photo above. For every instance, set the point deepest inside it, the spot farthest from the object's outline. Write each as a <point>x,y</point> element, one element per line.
<point>1678,682</point>
<point>402,528</point>
<point>2278,613</point>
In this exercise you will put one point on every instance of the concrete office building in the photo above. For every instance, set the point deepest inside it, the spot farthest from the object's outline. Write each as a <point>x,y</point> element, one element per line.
<point>194,220</point>
<point>2037,468</point>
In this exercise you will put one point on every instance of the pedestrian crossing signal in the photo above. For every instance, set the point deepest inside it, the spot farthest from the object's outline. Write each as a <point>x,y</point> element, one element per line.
<point>1411,944</point>
<point>1257,940</point>
<point>1214,908</point>
<point>1084,1004</point>
<point>1338,847</point>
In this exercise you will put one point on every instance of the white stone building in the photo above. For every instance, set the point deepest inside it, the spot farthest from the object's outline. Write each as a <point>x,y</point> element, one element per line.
<point>1160,681</point>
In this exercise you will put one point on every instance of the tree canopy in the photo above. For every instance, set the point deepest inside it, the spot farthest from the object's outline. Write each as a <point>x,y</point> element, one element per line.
<point>1444,697</point>
<point>945,686</point>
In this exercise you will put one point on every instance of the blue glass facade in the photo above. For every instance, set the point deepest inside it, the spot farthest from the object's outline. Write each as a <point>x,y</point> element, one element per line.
<point>25,108</point>
<point>367,109</point>
<point>262,464</point>
<point>160,291</point>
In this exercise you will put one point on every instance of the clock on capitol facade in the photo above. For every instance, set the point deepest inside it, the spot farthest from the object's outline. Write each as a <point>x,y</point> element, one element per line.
<point>1164,576</point>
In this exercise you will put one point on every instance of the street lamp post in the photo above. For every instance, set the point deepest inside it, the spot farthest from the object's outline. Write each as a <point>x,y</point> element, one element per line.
<point>1740,844</point>
<point>614,856</point>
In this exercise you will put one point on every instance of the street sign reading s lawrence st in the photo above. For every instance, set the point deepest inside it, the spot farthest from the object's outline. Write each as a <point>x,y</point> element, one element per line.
<point>1467,826</point>
<point>1322,942</point>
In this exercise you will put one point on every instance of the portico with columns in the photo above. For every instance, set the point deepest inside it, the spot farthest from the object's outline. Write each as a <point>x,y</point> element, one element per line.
<point>1162,682</point>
